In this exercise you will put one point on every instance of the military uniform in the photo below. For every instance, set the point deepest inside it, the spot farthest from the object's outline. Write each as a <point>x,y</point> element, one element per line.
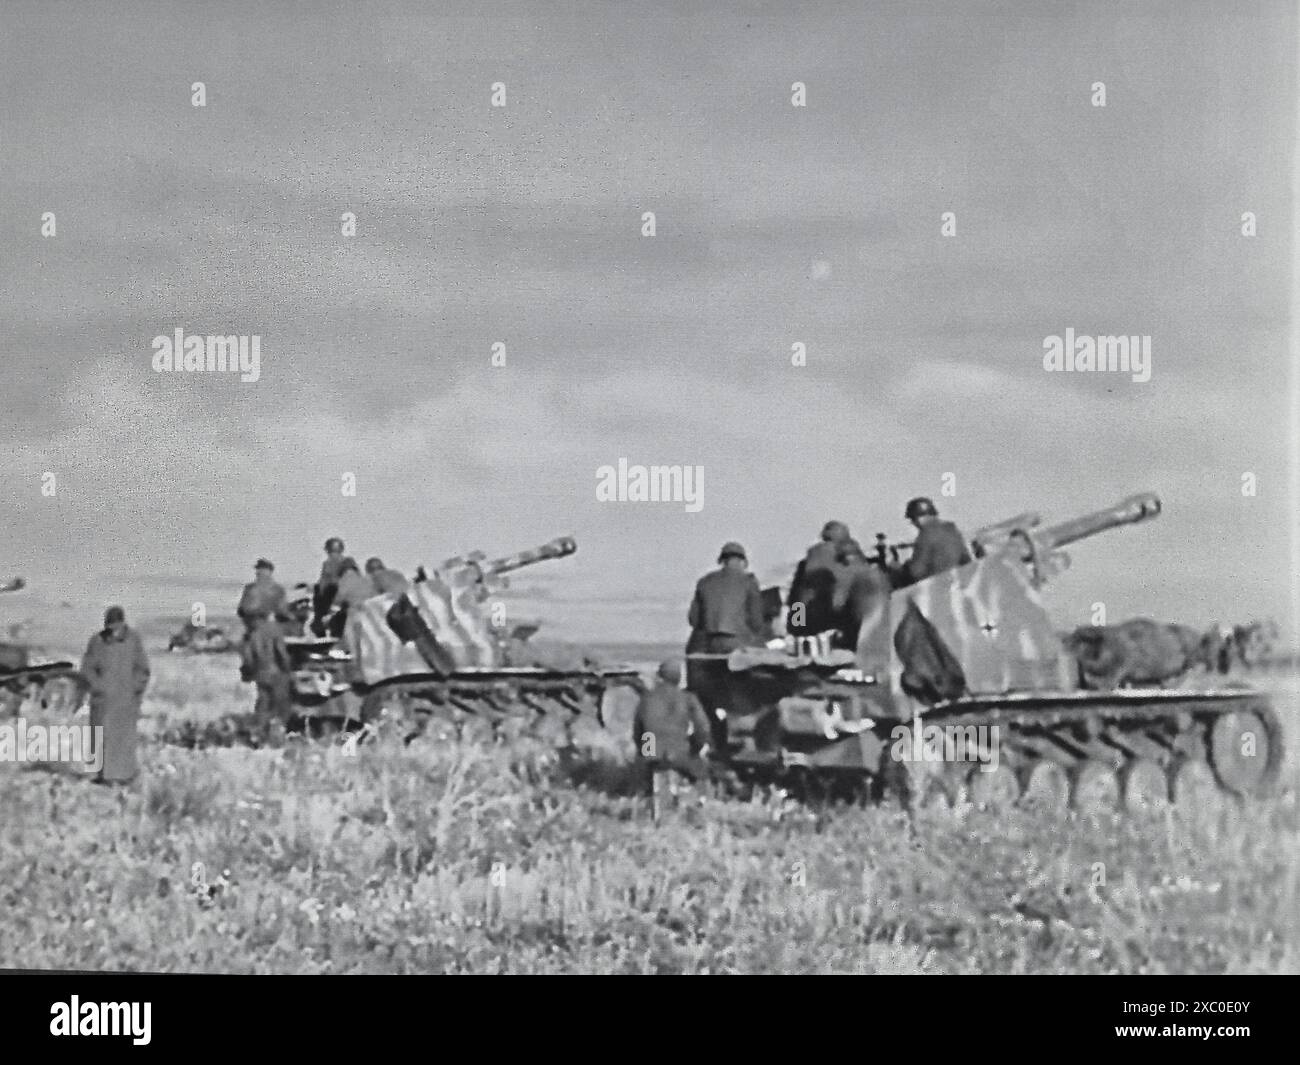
<point>813,588</point>
<point>669,728</point>
<point>727,611</point>
<point>860,591</point>
<point>272,671</point>
<point>262,598</point>
<point>117,672</point>
<point>939,546</point>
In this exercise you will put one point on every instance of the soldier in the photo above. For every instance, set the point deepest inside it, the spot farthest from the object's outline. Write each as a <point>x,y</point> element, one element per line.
<point>353,590</point>
<point>262,597</point>
<point>117,672</point>
<point>861,592</point>
<point>812,588</point>
<point>299,613</point>
<point>386,580</point>
<point>327,586</point>
<point>670,730</point>
<point>272,671</point>
<point>727,611</point>
<point>939,544</point>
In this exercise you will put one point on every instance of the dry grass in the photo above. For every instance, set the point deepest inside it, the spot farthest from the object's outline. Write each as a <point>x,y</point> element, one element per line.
<point>446,857</point>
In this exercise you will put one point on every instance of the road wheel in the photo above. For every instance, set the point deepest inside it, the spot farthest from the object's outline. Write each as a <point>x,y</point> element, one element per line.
<point>1047,786</point>
<point>992,788</point>
<point>1145,785</point>
<point>1245,748</point>
<point>1095,788</point>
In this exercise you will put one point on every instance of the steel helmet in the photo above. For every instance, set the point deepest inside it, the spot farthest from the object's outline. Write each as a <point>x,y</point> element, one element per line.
<point>920,507</point>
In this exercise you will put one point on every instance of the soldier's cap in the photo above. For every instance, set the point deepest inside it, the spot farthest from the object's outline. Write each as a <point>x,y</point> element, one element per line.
<point>348,563</point>
<point>113,614</point>
<point>263,563</point>
<point>332,544</point>
<point>920,507</point>
<point>374,564</point>
<point>731,549</point>
<point>834,531</point>
<point>301,593</point>
<point>670,670</point>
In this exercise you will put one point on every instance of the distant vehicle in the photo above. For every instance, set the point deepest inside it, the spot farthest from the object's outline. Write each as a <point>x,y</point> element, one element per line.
<point>28,682</point>
<point>201,639</point>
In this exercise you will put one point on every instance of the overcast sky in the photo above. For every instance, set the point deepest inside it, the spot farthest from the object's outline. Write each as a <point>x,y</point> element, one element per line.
<point>522,224</point>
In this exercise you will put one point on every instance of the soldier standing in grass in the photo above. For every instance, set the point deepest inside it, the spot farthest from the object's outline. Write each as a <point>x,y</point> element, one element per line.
<point>272,671</point>
<point>670,730</point>
<point>117,672</point>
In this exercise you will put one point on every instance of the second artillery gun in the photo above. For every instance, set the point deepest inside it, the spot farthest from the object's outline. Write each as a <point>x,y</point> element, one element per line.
<point>441,648</point>
<point>970,656</point>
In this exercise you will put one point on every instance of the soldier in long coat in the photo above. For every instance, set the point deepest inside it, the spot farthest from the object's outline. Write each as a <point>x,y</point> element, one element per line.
<point>117,671</point>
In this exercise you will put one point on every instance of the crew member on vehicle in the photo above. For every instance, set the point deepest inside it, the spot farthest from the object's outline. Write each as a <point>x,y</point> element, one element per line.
<point>939,544</point>
<point>812,589</point>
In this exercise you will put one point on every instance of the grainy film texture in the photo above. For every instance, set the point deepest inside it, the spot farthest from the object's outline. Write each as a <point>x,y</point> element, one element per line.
<point>593,487</point>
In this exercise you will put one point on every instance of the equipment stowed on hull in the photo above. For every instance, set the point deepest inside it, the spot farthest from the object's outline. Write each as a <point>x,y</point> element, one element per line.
<point>973,648</point>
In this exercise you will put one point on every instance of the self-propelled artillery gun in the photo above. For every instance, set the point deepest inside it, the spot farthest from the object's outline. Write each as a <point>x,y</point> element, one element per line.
<point>443,648</point>
<point>960,685</point>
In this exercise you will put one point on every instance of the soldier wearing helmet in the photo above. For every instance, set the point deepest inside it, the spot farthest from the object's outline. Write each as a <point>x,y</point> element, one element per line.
<point>726,613</point>
<point>328,585</point>
<point>670,729</point>
<point>813,587</point>
<point>861,593</point>
<point>939,544</point>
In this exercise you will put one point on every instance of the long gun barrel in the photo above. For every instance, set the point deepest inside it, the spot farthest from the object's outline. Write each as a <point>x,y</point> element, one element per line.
<point>1134,509</point>
<point>560,547</point>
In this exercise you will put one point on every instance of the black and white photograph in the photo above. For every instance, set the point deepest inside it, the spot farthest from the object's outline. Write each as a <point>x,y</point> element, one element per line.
<point>650,488</point>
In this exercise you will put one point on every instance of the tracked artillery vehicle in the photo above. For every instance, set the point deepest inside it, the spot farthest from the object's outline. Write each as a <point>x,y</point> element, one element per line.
<point>29,680</point>
<point>959,685</point>
<point>441,649</point>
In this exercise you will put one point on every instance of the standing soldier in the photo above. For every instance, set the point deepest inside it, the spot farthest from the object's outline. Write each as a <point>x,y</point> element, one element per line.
<point>330,572</point>
<point>272,671</point>
<point>117,671</point>
<point>861,594</point>
<point>812,588</point>
<point>262,597</point>
<point>726,613</point>
<point>671,732</point>
<point>939,544</point>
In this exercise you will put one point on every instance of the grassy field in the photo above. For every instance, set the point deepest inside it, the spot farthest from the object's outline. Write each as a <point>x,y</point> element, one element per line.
<point>447,857</point>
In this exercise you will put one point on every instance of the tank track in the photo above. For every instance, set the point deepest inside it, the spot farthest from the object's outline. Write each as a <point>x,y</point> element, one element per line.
<point>498,702</point>
<point>493,697</point>
<point>1125,749</point>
